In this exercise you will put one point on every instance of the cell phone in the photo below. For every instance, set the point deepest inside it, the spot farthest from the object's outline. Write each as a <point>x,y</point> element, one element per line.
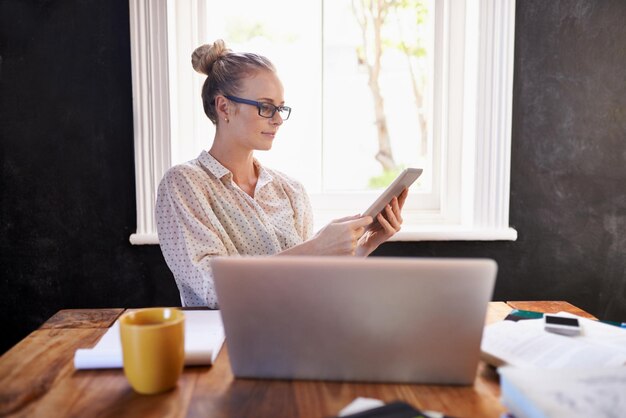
<point>403,181</point>
<point>561,325</point>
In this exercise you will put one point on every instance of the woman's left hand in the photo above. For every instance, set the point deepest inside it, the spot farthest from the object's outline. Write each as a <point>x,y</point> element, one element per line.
<point>387,223</point>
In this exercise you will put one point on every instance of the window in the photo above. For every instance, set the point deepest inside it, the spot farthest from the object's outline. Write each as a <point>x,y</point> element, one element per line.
<point>455,123</point>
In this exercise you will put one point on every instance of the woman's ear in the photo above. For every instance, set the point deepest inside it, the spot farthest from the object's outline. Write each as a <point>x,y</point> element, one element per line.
<point>222,107</point>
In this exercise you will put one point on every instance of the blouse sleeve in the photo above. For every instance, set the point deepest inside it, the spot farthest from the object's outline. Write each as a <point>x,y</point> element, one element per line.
<point>305,215</point>
<point>187,236</point>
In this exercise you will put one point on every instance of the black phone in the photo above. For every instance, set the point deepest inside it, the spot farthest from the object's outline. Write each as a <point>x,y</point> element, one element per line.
<point>563,325</point>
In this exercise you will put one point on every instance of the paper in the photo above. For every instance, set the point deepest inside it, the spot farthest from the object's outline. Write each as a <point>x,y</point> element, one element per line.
<point>532,393</point>
<point>526,344</point>
<point>360,404</point>
<point>204,337</point>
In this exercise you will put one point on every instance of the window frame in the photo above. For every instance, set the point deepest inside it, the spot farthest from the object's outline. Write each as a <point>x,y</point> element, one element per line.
<point>472,117</point>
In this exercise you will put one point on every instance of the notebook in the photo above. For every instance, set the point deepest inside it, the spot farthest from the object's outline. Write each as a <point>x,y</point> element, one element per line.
<point>204,336</point>
<point>354,319</point>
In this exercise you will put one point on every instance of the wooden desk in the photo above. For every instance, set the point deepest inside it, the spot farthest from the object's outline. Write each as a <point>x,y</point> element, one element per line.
<point>37,378</point>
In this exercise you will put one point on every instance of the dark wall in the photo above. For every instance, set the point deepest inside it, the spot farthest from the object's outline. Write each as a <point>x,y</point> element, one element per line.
<point>67,198</point>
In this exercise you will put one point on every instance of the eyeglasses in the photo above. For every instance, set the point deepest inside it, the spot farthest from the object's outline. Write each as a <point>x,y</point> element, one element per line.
<point>266,110</point>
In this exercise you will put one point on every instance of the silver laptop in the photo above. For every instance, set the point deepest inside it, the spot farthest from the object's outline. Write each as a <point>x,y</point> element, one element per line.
<point>371,319</point>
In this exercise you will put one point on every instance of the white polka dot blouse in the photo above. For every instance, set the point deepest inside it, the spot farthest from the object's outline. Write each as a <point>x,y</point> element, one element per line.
<point>202,213</point>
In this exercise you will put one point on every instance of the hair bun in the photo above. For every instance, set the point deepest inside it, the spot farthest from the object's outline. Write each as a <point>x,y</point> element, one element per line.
<point>205,56</point>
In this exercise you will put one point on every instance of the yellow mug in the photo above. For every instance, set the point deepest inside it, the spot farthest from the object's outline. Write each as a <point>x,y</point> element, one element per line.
<point>153,348</point>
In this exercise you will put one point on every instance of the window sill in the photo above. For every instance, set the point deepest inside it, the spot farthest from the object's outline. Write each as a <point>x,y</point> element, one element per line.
<point>411,233</point>
<point>453,233</point>
<point>144,239</point>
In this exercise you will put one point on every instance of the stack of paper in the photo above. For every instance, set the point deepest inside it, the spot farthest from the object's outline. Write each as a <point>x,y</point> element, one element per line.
<point>572,393</point>
<point>526,344</point>
<point>551,375</point>
<point>204,337</point>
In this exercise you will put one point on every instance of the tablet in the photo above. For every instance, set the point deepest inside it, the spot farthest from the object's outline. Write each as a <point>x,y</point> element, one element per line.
<point>403,181</point>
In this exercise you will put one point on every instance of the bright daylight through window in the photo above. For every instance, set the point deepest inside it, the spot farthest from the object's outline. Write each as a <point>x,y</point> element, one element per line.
<point>375,87</point>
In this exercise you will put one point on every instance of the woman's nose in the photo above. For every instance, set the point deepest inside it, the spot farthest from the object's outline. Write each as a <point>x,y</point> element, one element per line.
<point>276,119</point>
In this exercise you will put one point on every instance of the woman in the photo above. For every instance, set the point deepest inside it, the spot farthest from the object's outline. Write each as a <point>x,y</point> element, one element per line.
<point>225,203</point>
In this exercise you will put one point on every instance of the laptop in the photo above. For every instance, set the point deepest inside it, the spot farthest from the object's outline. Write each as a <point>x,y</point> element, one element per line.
<point>376,319</point>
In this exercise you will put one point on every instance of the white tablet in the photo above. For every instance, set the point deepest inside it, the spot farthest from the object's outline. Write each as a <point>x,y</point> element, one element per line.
<point>403,181</point>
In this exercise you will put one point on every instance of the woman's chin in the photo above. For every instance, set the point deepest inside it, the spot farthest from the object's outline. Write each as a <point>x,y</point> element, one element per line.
<point>265,145</point>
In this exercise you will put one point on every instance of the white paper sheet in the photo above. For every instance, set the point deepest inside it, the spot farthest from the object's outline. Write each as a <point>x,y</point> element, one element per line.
<point>533,393</point>
<point>204,337</point>
<point>526,344</point>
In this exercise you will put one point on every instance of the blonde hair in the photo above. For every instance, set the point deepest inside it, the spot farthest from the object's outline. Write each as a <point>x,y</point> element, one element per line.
<point>225,71</point>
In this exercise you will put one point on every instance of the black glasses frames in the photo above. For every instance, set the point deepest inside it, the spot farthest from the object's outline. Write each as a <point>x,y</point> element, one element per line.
<point>266,110</point>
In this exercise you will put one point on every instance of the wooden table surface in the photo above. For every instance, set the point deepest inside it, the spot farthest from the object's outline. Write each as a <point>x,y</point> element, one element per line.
<point>37,378</point>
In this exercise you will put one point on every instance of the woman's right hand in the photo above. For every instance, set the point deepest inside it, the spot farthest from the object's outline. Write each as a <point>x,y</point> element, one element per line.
<point>341,236</point>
